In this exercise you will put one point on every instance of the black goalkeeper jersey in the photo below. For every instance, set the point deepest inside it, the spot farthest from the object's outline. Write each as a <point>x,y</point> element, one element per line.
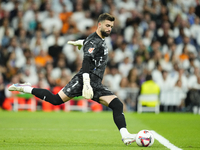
<point>96,51</point>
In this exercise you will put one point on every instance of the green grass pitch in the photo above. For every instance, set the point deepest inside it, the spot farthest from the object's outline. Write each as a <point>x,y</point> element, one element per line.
<point>93,131</point>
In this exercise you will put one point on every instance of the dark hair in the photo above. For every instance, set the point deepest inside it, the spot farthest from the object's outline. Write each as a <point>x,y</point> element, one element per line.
<point>106,16</point>
<point>148,77</point>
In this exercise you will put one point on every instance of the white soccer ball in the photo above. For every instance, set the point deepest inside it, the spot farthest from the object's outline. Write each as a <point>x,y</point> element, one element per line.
<point>144,138</point>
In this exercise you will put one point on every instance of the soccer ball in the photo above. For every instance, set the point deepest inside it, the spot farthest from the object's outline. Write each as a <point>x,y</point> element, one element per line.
<point>144,138</point>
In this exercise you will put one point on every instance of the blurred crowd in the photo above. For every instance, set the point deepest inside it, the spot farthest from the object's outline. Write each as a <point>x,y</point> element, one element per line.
<point>160,37</point>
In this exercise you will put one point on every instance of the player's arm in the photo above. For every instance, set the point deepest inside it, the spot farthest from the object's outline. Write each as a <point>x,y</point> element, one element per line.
<point>78,43</point>
<point>87,91</point>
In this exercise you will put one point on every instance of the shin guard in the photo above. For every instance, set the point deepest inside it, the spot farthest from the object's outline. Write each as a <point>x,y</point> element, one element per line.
<point>118,115</point>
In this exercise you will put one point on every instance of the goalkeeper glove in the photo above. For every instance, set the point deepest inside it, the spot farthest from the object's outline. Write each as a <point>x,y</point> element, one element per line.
<point>78,43</point>
<point>87,91</point>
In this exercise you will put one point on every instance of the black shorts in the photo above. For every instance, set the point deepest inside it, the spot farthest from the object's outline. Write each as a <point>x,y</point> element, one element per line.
<point>75,86</point>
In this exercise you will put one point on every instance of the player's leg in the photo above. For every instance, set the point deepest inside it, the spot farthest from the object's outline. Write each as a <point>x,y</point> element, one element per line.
<point>72,89</point>
<point>44,94</point>
<point>116,105</point>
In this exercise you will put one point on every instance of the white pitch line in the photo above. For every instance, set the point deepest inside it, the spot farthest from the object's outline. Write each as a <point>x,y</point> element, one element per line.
<point>164,141</point>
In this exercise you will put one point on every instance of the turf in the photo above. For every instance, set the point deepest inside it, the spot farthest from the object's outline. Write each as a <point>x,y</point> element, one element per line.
<point>92,131</point>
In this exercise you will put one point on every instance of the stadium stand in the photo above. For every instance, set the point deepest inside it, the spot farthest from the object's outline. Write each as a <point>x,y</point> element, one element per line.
<point>150,36</point>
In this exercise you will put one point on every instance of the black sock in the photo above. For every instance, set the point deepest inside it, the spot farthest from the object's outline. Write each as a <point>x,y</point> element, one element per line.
<point>118,116</point>
<point>46,95</point>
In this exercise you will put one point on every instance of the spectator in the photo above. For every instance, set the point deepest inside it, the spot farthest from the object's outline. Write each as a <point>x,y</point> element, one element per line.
<point>28,76</point>
<point>5,28</point>
<point>180,102</point>
<point>51,23</point>
<point>195,28</point>
<point>54,38</point>
<point>133,78</point>
<point>122,52</point>
<point>55,49</point>
<point>192,63</point>
<point>117,41</point>
<point>29,71</point>
<point>98,9</point>
<point>42,77</point>
<point>162,15</point>
<point>6,38</point>
<point>142,51</point>
<point>42,59</point>
<point>15,48</point>
<point>174,74</point>
<point>193,79</point>
<point>15,10</point>
<point>175,9</point>
<point>22,37</point>
<point>86,22</point>
<point>78,13</point>
<point>112,80</point>
<point>149,87</point>
<point>170,56</point>
<point>64,16</point>
<point>29,15</point>
<point>122,93</point>
<point>125,67</point>
<point>186,42</point>
<point>164,82</point>
<point>127,4</point>
<point>156,73</point>
<point>183,79</point>
<point>48,68</point>
<point>164,32</point>
<point>139,64</point>
<point>185,54</point>
<point>111,61</point>
<point>191,15</point>
<point>133,29</point>
<point>17,19</point>
<point>166,47</point>
<point>60,67</point>
<point>147,39</point>
<point>59,4</point>
<point>123,16</point>
<point>133,46</point>
<point>38,43</point>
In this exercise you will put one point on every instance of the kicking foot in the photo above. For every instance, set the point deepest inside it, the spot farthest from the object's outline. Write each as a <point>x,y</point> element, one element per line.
<point>18,87</point>
<point>129,139</point>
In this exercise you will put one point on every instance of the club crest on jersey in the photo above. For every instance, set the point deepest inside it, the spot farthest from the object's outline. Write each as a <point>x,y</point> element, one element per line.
<point>90,50</point>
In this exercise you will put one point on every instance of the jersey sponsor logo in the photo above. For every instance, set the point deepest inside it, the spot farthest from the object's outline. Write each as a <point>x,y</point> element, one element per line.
<point>90,50</point>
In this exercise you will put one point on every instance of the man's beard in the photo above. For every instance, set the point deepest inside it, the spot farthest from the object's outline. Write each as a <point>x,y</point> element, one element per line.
<point>104,34</point>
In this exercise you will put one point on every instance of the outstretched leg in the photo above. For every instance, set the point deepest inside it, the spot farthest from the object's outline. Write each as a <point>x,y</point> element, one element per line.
<point>46,95</point>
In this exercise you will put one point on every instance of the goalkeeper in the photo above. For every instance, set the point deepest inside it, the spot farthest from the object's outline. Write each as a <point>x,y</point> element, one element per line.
<point>87,82</point>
